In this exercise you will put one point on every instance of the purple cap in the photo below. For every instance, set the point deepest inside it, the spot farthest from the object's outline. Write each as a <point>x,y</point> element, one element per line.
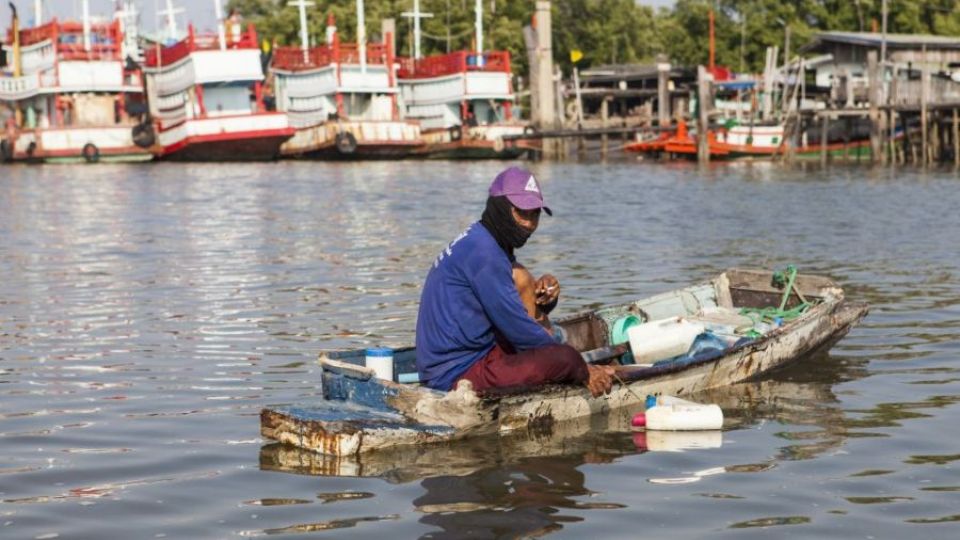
<point>521,189</point>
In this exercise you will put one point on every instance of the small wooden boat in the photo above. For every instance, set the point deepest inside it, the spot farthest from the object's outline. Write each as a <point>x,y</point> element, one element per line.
<point>610,435</point>
<point>774,321</point>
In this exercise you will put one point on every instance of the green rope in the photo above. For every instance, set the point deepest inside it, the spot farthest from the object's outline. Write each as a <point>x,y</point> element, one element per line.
<point>785,279</point>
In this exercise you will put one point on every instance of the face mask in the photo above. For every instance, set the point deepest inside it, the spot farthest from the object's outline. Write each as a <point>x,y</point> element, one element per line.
<point>498,219</point>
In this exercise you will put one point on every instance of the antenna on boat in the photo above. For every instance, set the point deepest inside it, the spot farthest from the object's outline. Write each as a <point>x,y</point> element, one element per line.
<point>86,25</point>
<point>171,14</point>
<point>221,32</point>
<point>361,37</point>
<point>416,15</point>
<point>127,16</point>
<point>304,37</point>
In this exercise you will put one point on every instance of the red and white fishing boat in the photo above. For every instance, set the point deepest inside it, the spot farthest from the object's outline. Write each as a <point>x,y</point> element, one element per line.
<point>341,97</point>
<point>206,99</point>
<point>67,92</point>
<point>463,100</point>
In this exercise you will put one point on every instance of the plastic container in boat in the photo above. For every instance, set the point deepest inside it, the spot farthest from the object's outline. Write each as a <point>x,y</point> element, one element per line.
<point>665,338</point>
<point>380,360</point>
<point>618,333</point>
<point>675,414</point>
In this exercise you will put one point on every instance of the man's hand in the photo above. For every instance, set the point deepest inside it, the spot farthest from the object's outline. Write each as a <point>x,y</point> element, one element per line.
<point>547,290</point>
<point>600,380</point>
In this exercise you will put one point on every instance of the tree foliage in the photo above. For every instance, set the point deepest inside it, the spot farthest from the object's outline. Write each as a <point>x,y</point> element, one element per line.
<point>613,31</point>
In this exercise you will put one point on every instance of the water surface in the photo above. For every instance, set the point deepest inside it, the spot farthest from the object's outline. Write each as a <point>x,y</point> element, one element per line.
<point>148,312</point>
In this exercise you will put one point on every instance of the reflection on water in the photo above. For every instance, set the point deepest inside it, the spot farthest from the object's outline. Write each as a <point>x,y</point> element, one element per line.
<point>148,313</point>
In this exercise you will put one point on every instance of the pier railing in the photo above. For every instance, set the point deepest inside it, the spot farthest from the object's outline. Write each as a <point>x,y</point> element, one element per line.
<point>452,63</point>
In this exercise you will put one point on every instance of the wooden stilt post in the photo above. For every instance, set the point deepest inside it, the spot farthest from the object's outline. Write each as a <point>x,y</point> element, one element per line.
<point>873,74</point>
<point>956,139</point>
<point>703,119</point>
<point>604,119</point>
<point>824,124</point>
<point>924,97</point>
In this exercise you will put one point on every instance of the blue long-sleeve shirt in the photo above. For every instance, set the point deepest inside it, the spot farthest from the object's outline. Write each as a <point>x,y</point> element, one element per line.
<point>469,292</point>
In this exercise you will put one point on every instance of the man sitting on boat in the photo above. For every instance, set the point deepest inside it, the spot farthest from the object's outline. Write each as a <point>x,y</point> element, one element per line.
<point>483,317</point>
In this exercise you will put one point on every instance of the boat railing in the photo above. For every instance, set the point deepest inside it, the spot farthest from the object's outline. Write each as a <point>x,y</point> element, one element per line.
<point>455,62</point>
<point>164,56</point>
<point>104,39</point>
<point>292,58</point>
<point>30,36</point>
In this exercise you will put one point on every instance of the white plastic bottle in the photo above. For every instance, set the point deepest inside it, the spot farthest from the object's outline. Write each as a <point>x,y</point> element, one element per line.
<point>675,414</point>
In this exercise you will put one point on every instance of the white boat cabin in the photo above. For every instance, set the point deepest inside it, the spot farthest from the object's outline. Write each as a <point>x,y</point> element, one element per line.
<point>67,75</point>
<point>459,88</point>
<point>335,81</point>
<point>200,77</point>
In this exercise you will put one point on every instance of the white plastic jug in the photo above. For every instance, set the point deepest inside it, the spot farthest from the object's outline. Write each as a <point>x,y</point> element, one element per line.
<point>662,339</point>
<point>675,414</point>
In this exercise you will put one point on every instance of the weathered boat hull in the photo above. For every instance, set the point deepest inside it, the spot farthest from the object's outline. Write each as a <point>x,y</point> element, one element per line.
<point>392,414</point>
<point>354,140</point>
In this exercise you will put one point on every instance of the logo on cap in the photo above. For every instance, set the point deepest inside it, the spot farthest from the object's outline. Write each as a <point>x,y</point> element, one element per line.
<point>532,185</point>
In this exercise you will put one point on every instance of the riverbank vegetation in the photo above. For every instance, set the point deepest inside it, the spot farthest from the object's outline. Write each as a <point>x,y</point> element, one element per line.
<point>612,31</point>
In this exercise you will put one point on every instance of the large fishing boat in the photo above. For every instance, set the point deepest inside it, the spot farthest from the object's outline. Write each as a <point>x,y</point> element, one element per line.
<point>206,98</point>
<point>68,93</point>
<point>342,97</point>
<point>463,100</point>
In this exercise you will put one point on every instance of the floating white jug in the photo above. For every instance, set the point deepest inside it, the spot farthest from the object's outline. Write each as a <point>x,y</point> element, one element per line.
<point>675,414</point>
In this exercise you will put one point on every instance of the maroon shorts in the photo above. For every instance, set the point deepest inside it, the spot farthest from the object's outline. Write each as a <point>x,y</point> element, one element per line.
<point>550,364</point>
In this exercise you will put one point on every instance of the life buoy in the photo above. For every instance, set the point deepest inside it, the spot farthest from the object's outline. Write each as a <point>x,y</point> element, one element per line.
<point>91,153</point>
<point>456,133</point>
<point>346,142</point>
<point>6,151</point>
<point>143,135</point>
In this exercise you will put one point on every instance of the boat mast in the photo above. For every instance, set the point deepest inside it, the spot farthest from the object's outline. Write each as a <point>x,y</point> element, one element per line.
<point>171,14</point>
<point>361,37</point>
<point>37,12</point>
<point>416,15</point>
<point>479,39</point>
<point>86,25</point>
<point>304,37</point>
<point>221,32</point>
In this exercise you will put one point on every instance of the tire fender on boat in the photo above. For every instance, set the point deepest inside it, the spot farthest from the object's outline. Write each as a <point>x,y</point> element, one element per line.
<point>91,153</point>
<point>143,135</point>
<point>31,148</point>
<point>456,133</point>
<point>6,150</point>
<point>346,142</point>
<point>529,130</point>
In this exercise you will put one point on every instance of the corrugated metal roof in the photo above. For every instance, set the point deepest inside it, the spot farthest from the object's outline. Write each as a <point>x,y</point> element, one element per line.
<point>874,39</point>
